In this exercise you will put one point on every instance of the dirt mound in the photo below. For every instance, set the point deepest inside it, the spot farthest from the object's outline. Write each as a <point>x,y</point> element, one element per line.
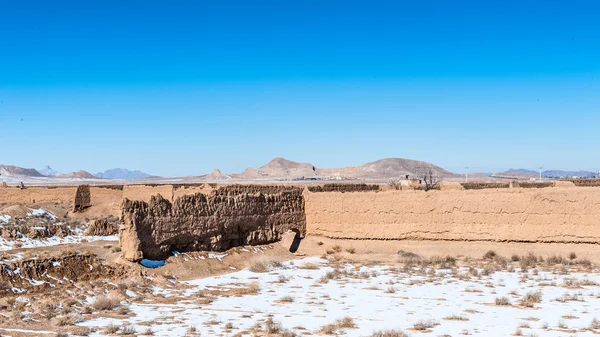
<point>102,227</point>
<point>228,217</point>
<point>16,171</point>
<point>79,174</point>
<point>43,274</point>
<point>15,211</point>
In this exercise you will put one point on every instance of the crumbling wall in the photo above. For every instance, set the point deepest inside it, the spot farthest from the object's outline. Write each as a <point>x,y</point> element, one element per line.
<point>145,192</point>
<point>83,198</point>
<point>586,182</point>
<point>479,185</point>
<point>102,227</point>
<point>344,188</point>
<point>227,217</point>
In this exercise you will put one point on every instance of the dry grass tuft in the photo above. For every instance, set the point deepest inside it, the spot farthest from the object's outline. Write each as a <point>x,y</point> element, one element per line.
<point>502,301</point>
<point>530,299</point>
<point>389,333</point>
<point>456,318</point>
<point>424,325</point>
<point>106,303</point>
<point>264,265</point>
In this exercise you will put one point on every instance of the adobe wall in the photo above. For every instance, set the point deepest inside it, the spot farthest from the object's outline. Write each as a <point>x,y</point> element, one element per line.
<point>32,195</point>
<point>563,215</point>
<point>144,192</point>
<point>227,217</point>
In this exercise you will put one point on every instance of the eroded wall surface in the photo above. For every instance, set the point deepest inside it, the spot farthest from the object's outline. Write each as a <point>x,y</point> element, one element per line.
<point>565,215</point>
<point>227,217</point>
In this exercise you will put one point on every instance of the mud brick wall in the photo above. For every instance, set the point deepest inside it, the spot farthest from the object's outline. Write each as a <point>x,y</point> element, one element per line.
<point>227,217</point>
<point>83,198</point>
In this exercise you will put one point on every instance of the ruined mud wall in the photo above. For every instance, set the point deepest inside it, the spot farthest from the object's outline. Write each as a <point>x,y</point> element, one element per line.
<point>83,198</point>
<point>344,188</point>
<point>228,217</point>
<point>563,215</point>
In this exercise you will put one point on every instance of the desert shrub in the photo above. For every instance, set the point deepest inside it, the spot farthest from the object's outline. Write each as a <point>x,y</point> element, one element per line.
<point>111,329</point>
<point>287,299</point>
<point>351,250</point>
<point>389,333</point>
<point>490,255</point>
<point>106,303</point>
<point>127,331</point>
<point>502,301</point>
<point>515,258</point>
<point>595,324</point>
<point>531,298</point>
<point>572,256</point>
<point>264,265</point>
<point>456,318</point>
<point>345,323</point>
<point>424,325</point>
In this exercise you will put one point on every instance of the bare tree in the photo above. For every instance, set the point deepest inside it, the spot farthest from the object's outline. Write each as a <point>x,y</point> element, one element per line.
<point>430,178</point>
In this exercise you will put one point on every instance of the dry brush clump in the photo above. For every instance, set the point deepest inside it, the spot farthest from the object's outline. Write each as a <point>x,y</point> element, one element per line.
<point>264,265</point>
<point>424,325</point>
<point>389,333</point>
<point>530,299</point>
<point>502,301</point>
<point>106,303</point>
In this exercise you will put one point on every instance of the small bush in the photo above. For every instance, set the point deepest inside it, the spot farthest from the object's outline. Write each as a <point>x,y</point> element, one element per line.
<point>111,329</point>
<point>424,325</point>
<point>595,324</point>
<point>531,298</point>
<point>106,303</point>
<point>502,301</point>
<point>389,333</point>
<point>264,266</point>
<point>490,255</point>
<point>572,256</point>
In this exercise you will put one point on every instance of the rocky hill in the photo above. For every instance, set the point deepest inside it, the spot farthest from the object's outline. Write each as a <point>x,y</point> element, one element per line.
<point>388,168</point>
<point>281,168</point>
<point>16,171</point>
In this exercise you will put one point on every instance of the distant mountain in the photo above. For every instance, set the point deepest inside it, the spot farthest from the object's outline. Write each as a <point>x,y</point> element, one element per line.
<point>122,174</point>
<point>281,168</point>
<point>388,168</point>
<point>568,174</point>
<point>79,174</point>
<point>16,171</point>
<point>48,171</point>
<point>517,174</point>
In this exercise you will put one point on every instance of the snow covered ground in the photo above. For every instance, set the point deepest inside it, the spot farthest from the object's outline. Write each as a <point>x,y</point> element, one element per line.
<point>308,294</point>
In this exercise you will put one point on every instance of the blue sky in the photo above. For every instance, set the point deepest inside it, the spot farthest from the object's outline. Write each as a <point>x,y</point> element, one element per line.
<point>181,87</point>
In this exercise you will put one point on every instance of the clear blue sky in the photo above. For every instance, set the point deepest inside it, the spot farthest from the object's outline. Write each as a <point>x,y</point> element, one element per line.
<point>181,87</point>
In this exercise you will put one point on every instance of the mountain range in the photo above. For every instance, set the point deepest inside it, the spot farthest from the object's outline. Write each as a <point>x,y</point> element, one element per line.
<point>388,168</point>
<point>123,174</point>
<point>525,173</point>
